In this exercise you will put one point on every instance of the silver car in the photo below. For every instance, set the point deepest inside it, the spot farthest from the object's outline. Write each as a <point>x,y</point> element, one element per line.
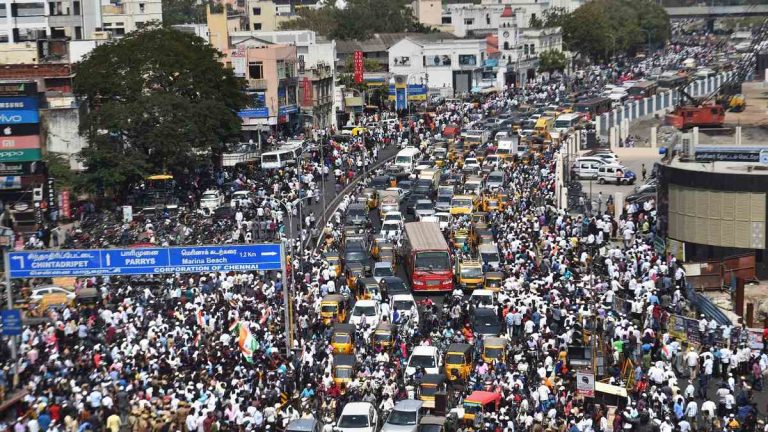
<point>423,207</point>
<point>404,417</point>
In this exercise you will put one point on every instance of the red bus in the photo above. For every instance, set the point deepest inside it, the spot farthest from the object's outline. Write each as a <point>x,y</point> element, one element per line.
<point>427,257</point>
<point>642,90</point>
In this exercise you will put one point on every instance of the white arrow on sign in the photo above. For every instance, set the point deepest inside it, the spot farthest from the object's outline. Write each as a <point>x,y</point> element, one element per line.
<point>108,260</point>
<point>268,253</point>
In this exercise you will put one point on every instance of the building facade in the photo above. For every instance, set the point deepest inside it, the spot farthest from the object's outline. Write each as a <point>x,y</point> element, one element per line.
<point>451,66</point>
<point>28,21</point>
<point>428,12</point>
<point>471,20</point>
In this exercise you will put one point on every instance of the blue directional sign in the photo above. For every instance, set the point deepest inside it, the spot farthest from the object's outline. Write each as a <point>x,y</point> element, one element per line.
<point>101,262</point>
<point>11,319</point>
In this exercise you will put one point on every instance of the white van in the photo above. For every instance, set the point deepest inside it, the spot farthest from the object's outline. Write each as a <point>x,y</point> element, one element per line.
<point>280,158</point>
<point>615,173</point>
<point>508,146</point>
<point>424,356</point>
<point>489,254</point>
<point>358,417</point>
<point>407,158</point>
<point>586,168</point>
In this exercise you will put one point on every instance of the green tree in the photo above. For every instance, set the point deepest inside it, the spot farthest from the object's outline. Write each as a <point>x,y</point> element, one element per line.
<point>156,100</point>
<point>601,28</point>
<point>360,19</point>
<point>183,12</point>
<point>552,61</point>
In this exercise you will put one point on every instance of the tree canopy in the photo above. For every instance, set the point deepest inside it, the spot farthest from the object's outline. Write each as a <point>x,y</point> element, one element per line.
<point>183,12</point>
<point>552,60</point>
<point>601,28</point>
<point>156,100</point>
<point>360,19</point>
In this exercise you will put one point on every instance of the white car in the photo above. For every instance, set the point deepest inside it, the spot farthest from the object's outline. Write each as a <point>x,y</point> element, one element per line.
<point>241,197</point>
<point>394,216</point>
<point>358,417</point>
<point>406,306</point>
<point>444,219</point>
<point>482,298</point>
<point>472,163</point>
<point>369,309</point>
<point>211,200</point>
<point>391,230</point>
<point>424,356</point>
<point>41,290</point>
<point>382,269</point>
<point>423,208</point>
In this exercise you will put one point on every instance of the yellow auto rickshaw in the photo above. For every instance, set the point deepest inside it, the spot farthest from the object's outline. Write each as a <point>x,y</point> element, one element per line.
<point>458,361</point>
<point>332,309</point>
<point>343,338</point>
<point>334,262</point>
<point>354,272</point>
<point>383,335</point>
<point>460,236</point>
<point>430,385</point>
<point>38,308</point>
<point>343,368</point>
<point>494,348</point>
<point>367,289</point>
<point>371,197</point>
<point>493,281</point>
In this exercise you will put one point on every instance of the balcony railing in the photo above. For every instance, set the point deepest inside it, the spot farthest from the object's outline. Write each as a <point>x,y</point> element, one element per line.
<point>257,84</point>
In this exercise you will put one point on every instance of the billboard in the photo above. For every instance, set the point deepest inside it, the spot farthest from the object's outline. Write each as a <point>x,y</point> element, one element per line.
<point>19,142</point>
<point>10,117</point>
<point>400,92</point>
<point>24,155</point>
<point>20,103</point>
<point>359,67</point>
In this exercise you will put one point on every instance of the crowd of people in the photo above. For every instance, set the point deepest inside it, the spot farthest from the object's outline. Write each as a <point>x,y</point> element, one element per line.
<point>208,352</point>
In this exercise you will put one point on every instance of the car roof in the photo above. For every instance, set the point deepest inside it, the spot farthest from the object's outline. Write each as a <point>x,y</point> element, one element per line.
<point>408,405</point>
<point>424,350</point>
<point>382,264</point>
<point>403,296</point>
<point>344,359</point>
<point>344,327</point>
<point>433,378</point>
<point>484,312</point>
<point>366,303</point>
<point>481,292</point>
<point>356,408</point>
<point>302,425</point>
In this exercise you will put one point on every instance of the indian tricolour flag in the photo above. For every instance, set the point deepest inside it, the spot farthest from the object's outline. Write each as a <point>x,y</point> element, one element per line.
<point>199,318</point>
<point>247,343</point>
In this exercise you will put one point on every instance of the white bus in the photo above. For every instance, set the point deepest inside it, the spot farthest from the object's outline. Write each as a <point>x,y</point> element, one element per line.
<point>280,158</point>
<point>566,122</point>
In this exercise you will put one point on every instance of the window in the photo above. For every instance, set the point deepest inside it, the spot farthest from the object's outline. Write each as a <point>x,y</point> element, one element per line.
<point>488,19</point>
<point>446,20</point>
<point>257,26</point>
<point>141,7</point>
<point>76,8</point>
<point>506,45</point>
<point>256,70</point>
<point>257,11</point>
<point>525,49</point>
<point>469,21</point>
<point>3,11</point>
<point>533,49</point>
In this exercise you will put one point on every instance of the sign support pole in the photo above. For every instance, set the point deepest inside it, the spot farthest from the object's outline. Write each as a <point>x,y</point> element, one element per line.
<point>286,299</point>
<point>9,305</point>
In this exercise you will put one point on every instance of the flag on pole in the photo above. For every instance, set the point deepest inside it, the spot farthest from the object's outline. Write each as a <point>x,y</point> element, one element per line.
<point>233,327</point>
<point>247,343</point>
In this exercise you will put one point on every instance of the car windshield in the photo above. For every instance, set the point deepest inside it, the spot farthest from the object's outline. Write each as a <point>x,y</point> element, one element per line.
<point>403,160</point>
<point>393,217</point>
<point>328,308</point>
<point>432,261</point>
<point>428,389</point>
<point>493,352</point>
<point>355,256</point>
<point>269,158</point>
<point>365,310</point>
<point>490,256</point>
<point>486,320</point>
<point>357,212</point>
<point>462,202</point>
<point>383,271</point>
<point>403,305</point>
<point>353,421</point>
<point>424,206</point>
<point>402,418</point>
<point>471,272</point>
<point>341,338</point>
<point>472,408</point>
<point>209,197</point>
<point>495,179</point>
<point>454,359</point>
<point>390,226</point>
<point>422,361</point>
<point>344,372</point>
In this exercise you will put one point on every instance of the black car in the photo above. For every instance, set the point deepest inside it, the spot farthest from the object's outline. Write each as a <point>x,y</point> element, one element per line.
<point>423,187</point>
<point>357,214</point>
<point>393,285</point>
<point>224,212</point>
<point>485,322</point>
<point>379,182</point>
<point>357,251</point>
<point>640,197</point>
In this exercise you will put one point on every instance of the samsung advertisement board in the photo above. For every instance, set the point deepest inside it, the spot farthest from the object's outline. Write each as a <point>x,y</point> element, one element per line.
<point>19,103</point>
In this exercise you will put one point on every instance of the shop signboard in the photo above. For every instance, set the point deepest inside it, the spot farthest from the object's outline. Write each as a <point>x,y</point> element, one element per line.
<point>19,103</point>
<point>10,117</point>
<point>19,142</point>
<point>23,155</point>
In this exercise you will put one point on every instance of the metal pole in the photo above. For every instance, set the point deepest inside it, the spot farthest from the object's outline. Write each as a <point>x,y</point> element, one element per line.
<point>286,294</point>
<point>9,299</point>
<point>322,174</point>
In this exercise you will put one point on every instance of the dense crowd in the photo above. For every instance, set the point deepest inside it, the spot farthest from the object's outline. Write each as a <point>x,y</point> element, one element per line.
<point>207,352</point>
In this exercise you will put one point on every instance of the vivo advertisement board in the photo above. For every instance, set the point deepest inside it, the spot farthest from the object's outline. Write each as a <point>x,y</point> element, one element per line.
<point>19,103</point>
<point>12,117</point>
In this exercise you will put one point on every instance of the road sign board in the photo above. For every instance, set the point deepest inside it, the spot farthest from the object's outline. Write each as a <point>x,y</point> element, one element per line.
<point>11,320</point>
<point>192,259</point>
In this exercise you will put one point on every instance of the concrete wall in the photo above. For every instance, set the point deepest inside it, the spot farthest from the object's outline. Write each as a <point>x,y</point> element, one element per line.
<point>60,127</point>
<point>18,53</point>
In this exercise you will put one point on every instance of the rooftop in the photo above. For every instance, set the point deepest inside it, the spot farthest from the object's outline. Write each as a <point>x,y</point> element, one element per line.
<point>382,41</point>
<point>721,167</point>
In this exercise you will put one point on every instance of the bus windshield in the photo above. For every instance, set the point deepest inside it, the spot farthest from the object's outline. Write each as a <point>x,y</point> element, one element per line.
<point>432,261</point>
